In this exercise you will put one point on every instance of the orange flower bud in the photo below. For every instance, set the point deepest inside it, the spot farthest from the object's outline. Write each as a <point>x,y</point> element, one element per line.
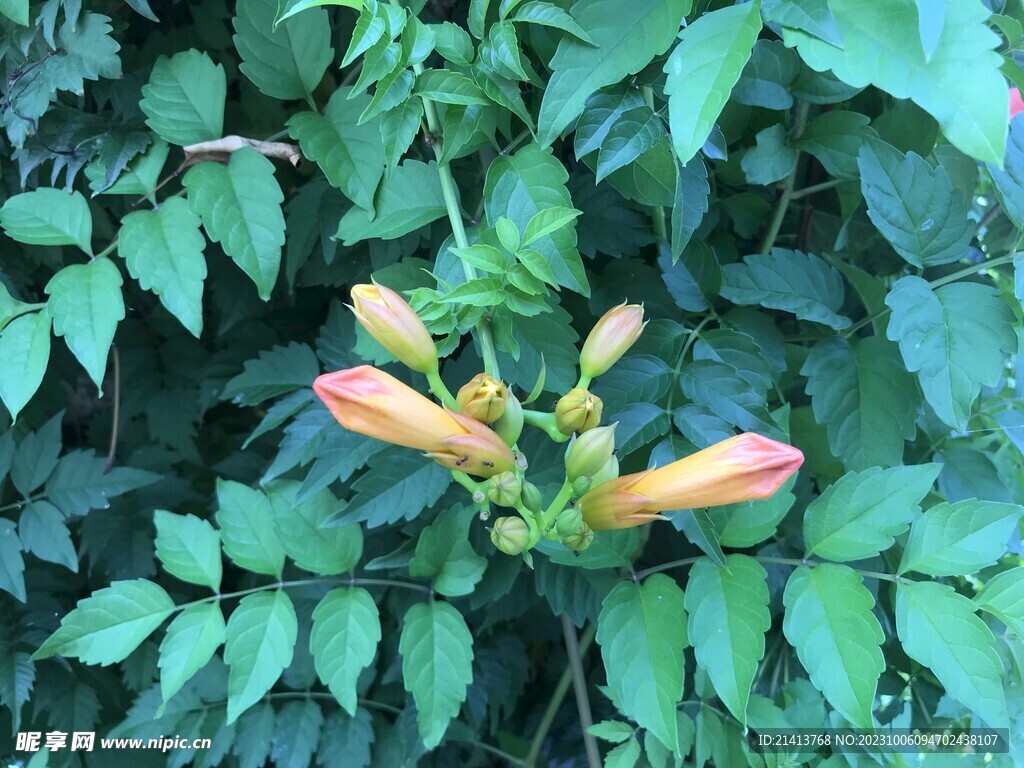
<point>374,403</point>
<point>395,325</point>
<point>483,398</point>
<point>741,468</point>
<point>611,338</point>
<point>578,411</point>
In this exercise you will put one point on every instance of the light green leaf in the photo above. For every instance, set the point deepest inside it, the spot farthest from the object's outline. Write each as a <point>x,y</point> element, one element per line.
<point>368,31</point>
<point>346,631</point>
<point>164,252</point>
<point>508,234</point>
<point>398,128</point>
<point>48,216</point>
<point>444,554</point>
<point>289,8</point>
<point>865,397</point>
<point>484,257</point>
<point>772,159</point>
<point>409,199</point>
<point>1003,597</point>
<point>191,640</point>
<point>44,533</point>
<point>300,530</point>
<point>549,15</point>
<point>835,139</point>
<point>240,204</point>
<point>107,626</point>
<point>938,628</point>
<point>959,539</point>
<point>690,204</point>
<point>188,548</point>
<point>81,481</point>
<point>15,10</point>
<point>916,207</point>
<point>642,634</point>
<point>728,616</point>
<point>184,99</point>
<point>861,514</point>
<point>614,731</point>
<point>623,756</point>
<point>284,59</point>
<point>792,281</point>
<point>246,523</point>
<point>881,46</point>
<point>836,636</point>
<point>602,111</point>
<point>12,564</point>
<point>625,39</point>
<point>449,87</point>
<point>811,16</point>
<point>260,642</point>
<point>547,221</point>
<point>25,350</point>
<point>703,69</point>
<point>86,306</point>
<point>437,665</point>
<point>955,338</point>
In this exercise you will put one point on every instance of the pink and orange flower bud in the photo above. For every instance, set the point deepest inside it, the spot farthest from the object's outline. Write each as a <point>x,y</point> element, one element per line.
<point>395,325</point>
<point>611,338</point>
<point>374,403</point>
<point>741,468</point>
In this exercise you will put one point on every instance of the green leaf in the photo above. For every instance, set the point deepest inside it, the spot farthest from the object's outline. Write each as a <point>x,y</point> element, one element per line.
<point>259,644</point>
<point>861,514</point>
<point>275,372</point>
<point>107,626</point>
<point>15,10</point>
<point>719,388</point>
<point>1003,597</point>
<point>835,138</point>
<point>449,87</point>
<point>938,628</point>
<point>959,539</point>
<point>1009,181</point>
<point>642,634</point>
<point>301,531</point>
<point>86,306</point>
<point>398,128</point>
<point>401,485</point>
<point>191,640</point>
<point>346,741</point>
<point>12,564</point>
<point>546,222</point>
<point>453,43</point>
<point>521,186</point>
<point>484,257</point>
<point>792,281</point>
<point>772,159</point>
<point>623,756</point>
<point>284,59</point>
<point>881,47</point>
<point>437,665</point>
<point>17,677</point>
<point>811,16</point>
<point>188,548</point>
<point>296,733</point>
<point>549,15</point>
<point>254,736</point>
<point>728,616</point>
<point>865,397</point>
<point>836,636</point>
<point>690,205</point>
<point>444,554</point>
<point>184,98</point>
<point>164,252</point>
<point>408,200</point>
<point>508,234</point>
<point>346,631</point>
<point>614,731</point>
<point>25,350</point>
<point>633,134</point>
<point>44,533</point>
<point>955,339</point>
<point>240,204</point>
<point>82,481</point>
<point>624,40</point>
<point>747,523</point>
<point>703,69</point>
<point>602,111</point>
<point>246,523</point>
<point>915,206</point>
<point>37,456</point>
<point>48,216</point>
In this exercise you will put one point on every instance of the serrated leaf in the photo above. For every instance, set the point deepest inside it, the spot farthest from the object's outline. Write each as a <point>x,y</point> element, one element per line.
<point>835,138</point>
<point>37,456</point>
<point>409,199</point>
<point>691,203</point>
<point>107,626</point>
<point>718,387</point>
<point>550,15</point>
<point>82,481</point>
<point>275,372</point>
<point>184,98</point>
<point>189,644</point>
<point>164,252</point>
<point>44,533</point>
<point>938,628</point>
<point>861,514</point>
<point>703,69</point>
<point>836,636</point>
<point>444,554</point>
<point>86,305</point>
<point>437,665</point>
<point>865,397</point>
<point>959,539</point>
<point>576,592</point>
<point>25,350</point>
<point>17,677</point>
<point>188,548</point>
<point>633,379</point>
<point>611,730</point>
<point>246,523</point>
<point>260,642</point>
<point>449,87</point>
<point>642,634</point>
<point>1003,597</point>
<point>300,529</point>
<point>728,616</point>
<point>954,337</point>
<point>747,523</point>
<point>254,736</point>
<point>792,281</point>
<point>240,204</point>
<point>346,631</point>
<point>399,127</point>
<point>12,564</point>
<point>284,59</point>
<point>48,216</point>
<point>296,733</point>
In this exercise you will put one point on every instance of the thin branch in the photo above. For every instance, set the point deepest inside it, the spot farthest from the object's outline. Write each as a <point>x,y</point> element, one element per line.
<point>220,150</point>
<point>579,684</point>
<point>115,422</point>
<point>787,186</point>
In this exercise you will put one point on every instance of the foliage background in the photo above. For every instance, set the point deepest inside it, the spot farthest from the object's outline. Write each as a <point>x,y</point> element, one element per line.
<point>818,203</point>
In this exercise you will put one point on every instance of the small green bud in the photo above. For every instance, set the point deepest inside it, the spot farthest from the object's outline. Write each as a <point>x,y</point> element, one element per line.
<point>532,499</point>
<point>609,471</point>
<point>589,452</point>
<point>581,485</point>
<point>510,535</point>
<point>509,425</point>
<point>569,522</point>
<point>580,540</point>
<point>504,489</point>
<point>578,411</point>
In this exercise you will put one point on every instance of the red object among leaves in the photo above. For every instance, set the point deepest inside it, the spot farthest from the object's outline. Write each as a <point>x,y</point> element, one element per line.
<point>1016,103</point>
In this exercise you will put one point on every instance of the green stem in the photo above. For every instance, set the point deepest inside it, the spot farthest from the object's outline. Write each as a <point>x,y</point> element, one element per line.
<point>686,561</point>
<point>547,517</point>
<point>579,685</point>
<point>584,382</point>
<point>694,335</point>
<point>800,193</point>
<point>545,421</point>
<point>440,391</point>
<point>657,211</point>
<point>787,185</point>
